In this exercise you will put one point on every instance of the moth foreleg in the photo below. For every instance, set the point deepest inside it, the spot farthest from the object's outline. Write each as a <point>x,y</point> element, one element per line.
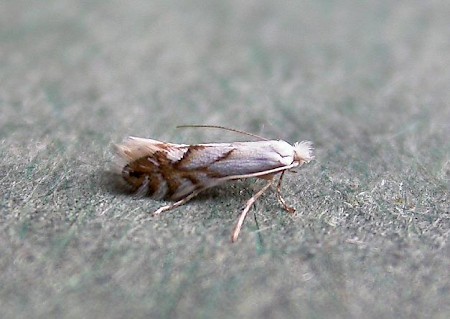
<point>288,208</point>
<point>178,203</point>
<point>249,204</point>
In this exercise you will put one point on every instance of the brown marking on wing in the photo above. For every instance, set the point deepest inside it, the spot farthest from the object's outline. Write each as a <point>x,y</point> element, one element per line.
<point>191,156</point>
<point>166,170</point>
<point>162,175</point>
<point>224,156</point>
<point>188,156</point>
<point>173,182</point>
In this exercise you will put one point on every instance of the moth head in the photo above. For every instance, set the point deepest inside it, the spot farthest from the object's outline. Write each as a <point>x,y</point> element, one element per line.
<point>138,173</point>
<point>134,177</point>
<point>303,152</point>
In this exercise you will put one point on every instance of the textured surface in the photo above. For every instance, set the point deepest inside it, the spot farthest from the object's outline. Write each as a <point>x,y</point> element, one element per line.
<point>367,81</point>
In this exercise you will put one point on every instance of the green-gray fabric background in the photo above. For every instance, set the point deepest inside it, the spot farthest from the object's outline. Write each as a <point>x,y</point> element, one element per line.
<point>367,81</point>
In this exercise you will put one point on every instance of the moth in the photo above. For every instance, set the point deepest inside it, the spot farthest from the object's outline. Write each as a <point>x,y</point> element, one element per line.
<point>179,172</point>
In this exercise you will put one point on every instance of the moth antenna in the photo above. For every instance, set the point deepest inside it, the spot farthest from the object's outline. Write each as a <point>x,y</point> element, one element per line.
<point>224,128</point>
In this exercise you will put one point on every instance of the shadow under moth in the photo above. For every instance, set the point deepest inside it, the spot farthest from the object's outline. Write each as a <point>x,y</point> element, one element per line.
<point>180,172</point>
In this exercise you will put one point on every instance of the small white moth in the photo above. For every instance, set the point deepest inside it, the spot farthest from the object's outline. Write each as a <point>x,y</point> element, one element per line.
<point>179,172</point>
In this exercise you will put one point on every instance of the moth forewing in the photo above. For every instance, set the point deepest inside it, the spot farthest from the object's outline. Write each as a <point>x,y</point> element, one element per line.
<point>180,172</point>
<point>251,157</point>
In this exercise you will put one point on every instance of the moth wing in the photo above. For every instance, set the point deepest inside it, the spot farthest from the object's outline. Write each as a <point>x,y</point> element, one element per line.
<point>202,156</point>
<point>194,167</point>
<point>180,169</point>
<point>241,158</point>
<point>134,148</point>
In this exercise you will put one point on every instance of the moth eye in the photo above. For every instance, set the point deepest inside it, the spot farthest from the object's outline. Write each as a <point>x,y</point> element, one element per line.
<point>128,172</point>
<point>135,174</point>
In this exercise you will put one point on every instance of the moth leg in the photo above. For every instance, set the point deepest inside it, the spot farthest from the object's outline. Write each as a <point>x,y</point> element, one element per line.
<point>288,208</point>
<point>177,203</point>
<point>249,204</point>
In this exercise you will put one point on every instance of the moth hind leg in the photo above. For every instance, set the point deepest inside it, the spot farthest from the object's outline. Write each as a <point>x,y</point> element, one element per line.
<point>178,203</point>
<point>288,208</point>
<point>250,202</point>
